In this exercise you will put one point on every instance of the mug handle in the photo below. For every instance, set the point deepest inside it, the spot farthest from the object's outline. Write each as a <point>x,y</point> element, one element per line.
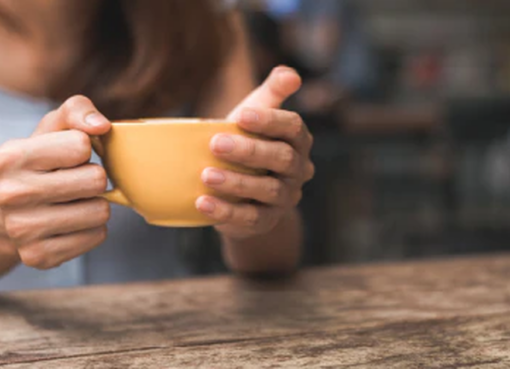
<point>114,196</point>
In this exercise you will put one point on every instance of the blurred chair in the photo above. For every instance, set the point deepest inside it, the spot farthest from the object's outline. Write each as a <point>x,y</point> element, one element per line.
<point>480,189</point>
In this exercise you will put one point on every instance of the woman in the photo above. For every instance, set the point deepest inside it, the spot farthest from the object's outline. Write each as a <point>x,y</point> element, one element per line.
<point>109,59</point>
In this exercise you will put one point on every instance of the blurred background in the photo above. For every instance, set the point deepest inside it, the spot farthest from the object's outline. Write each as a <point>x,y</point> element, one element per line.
<point>409,102</point>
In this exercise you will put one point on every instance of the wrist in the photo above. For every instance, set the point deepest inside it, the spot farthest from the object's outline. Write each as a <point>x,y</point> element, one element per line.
<point>235,235</point>
<point>274,253</point>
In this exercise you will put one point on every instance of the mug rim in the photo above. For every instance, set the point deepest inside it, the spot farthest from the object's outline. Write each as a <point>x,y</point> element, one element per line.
<point>168,121</point>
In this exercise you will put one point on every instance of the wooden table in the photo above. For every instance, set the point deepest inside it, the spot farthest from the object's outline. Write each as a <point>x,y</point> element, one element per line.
<point>436,314</point>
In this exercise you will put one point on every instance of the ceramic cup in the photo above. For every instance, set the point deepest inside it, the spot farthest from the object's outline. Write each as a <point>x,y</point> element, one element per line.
<point>155,166</point>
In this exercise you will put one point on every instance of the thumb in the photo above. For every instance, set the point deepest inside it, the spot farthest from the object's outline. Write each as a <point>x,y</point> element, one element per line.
<point>278,87</point>
<point>78,113</point>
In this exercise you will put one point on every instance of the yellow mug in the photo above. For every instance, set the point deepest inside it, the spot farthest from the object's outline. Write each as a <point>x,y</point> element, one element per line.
<point>155,166</point>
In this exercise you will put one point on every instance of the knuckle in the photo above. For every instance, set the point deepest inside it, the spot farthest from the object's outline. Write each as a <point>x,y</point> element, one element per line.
<point>73,110</point>
<point>103,211</point>
<point>310,139</point>
<point>51,115</point>
<point>266,118</point>
<point>275,190</point>
<point>250,148</point>
<point>239,185</point>
<point>310,171</point>
<point>13,193</point>
<point>34,257</point>
<point>297,125</point>
<point>16,227</point>
<point>226,213</point>
<point>252,218</point>
<point>101,235</point>
<point>75,102</point>
<point>269,117</point>
<point>82,144</point>
<point>98,179</point>
<point>287,158</point>
<point>11,154</point>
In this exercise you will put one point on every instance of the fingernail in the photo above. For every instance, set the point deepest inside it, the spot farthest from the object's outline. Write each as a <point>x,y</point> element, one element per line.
<point>213,176</point>
<point>249,116</point>
<point>207,206</point>
<point>96,120</point>
<point>223,144</point>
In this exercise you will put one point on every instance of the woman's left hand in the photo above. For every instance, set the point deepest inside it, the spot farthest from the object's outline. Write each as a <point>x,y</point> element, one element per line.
<point>285,154</point>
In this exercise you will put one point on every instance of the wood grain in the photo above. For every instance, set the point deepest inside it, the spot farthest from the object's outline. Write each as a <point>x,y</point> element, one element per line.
<point>436,314</point>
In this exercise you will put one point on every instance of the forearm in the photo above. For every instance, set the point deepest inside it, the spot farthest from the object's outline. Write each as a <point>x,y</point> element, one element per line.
<point>277,252</point>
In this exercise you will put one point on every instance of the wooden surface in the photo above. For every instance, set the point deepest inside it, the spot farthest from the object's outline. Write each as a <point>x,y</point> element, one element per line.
<point>441,314</point>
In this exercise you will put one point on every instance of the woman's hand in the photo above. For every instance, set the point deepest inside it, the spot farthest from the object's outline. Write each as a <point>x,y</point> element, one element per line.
<point>50,210</point>
<point>9,257</point>
<point>284,153</point>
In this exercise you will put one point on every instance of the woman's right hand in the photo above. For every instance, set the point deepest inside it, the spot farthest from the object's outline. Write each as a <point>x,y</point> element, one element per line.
<point>50,207</point>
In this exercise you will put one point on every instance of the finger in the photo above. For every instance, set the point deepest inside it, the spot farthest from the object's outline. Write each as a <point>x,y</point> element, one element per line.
<point>3,234</point>
<point>278,87</point>
<point>276,156</point>
<point>79,113</point>
<point>309,171</point>
<point>27,225</point>
<point>48,152</point>
<point>241,215</point>
<point>61,186</point>
<point>8,253</point>
<point>277,124</point>
<point>52,252</point>
<point>267,190</point>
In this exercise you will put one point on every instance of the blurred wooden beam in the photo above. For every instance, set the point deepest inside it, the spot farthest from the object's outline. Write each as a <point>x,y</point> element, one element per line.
<point>384,119</point>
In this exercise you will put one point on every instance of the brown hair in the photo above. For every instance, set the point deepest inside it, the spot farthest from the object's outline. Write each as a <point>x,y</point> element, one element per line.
<point>144,57</point>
